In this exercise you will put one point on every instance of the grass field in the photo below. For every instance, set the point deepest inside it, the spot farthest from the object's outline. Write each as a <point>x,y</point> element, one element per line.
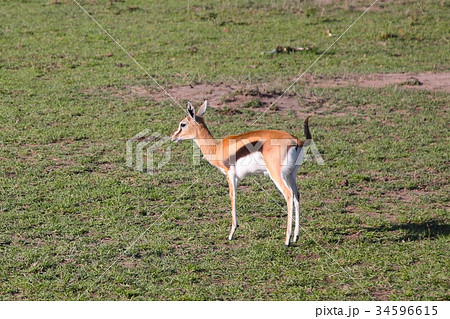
<point>375,216</point>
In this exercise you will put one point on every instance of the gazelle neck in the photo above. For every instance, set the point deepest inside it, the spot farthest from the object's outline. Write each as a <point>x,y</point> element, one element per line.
<point>206,142</point>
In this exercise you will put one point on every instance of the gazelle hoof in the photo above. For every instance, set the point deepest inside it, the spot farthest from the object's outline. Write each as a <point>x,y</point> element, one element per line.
<point>230,237</point>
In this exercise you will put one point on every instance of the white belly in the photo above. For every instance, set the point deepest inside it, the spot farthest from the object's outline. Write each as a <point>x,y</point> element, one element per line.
<point>250,164</point>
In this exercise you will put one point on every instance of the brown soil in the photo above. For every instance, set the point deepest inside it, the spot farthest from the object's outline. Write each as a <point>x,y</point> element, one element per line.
<point>382,295</point>
<point>225,95</point>
<point>262,95</point>
<point>424,81</point>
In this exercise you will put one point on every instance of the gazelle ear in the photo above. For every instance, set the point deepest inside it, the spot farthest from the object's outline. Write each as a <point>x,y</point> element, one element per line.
<point>191,110</point>
<point>202,109</point>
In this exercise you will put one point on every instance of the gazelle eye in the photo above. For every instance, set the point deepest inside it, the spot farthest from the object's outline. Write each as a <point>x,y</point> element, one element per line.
<point>183,124</point>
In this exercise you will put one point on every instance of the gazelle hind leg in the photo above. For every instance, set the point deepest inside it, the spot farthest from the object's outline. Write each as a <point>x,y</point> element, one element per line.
<point>283,184</point>
<point>289,197</point>
<point>232,183</point>
<point>296,198</point>
<point>291,179</point>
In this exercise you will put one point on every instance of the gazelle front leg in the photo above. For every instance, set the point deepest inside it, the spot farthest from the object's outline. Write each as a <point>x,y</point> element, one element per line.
<point>232,183</point>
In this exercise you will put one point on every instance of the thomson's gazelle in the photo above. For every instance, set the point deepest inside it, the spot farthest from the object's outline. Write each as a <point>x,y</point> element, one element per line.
<point>272,152</point>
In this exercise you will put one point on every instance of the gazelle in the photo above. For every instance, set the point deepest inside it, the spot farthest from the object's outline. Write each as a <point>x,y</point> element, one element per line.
<point>272,152</point>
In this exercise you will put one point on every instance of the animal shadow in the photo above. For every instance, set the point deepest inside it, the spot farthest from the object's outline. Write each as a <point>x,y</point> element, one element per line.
<point>415,231</point>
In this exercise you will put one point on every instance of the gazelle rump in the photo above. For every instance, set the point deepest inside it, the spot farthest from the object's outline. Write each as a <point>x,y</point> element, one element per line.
<point>271,152</point>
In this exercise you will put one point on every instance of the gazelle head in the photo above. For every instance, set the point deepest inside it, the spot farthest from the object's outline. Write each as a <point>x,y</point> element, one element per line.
<point>188,127</point>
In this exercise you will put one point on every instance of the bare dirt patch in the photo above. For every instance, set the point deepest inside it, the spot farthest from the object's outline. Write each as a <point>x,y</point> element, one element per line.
<point>360,212</point>
<point>423,81</point>
<point>232,98</point>
<point>381,294</point>
<point>226,95</point>
<point>354,236</point>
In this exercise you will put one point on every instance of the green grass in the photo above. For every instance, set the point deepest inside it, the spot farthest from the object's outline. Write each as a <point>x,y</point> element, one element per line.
<point>70,207</point>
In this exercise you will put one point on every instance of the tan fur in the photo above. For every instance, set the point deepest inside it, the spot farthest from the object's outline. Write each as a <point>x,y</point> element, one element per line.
<point>224,154</point>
